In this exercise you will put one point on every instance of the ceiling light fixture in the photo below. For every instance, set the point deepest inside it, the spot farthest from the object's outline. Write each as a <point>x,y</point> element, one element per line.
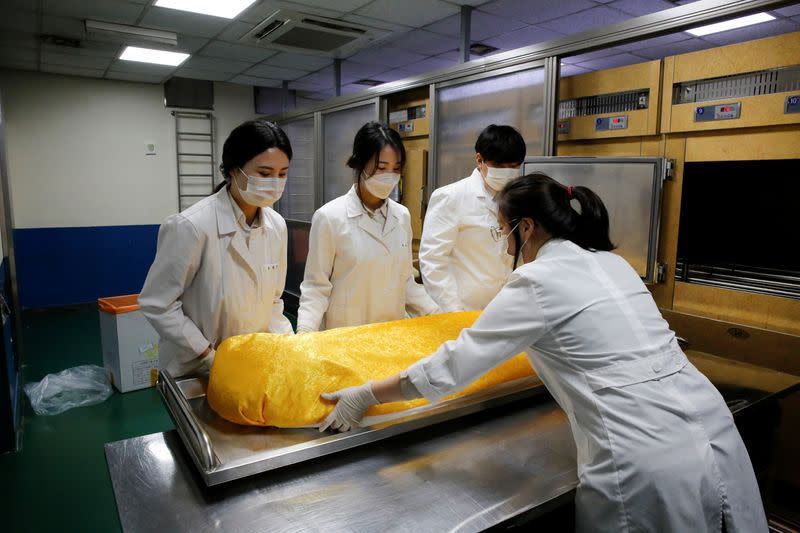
<point>130,34</point>
<point>732,24</point>
<point>148,55</point>
<point>218,8</point>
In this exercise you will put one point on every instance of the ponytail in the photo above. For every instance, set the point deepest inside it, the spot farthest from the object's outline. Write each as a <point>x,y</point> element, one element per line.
<point>591,230</point>
<point>548,203</point>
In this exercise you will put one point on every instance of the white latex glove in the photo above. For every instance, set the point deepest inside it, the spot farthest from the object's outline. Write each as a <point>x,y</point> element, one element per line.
<point>352,403</point>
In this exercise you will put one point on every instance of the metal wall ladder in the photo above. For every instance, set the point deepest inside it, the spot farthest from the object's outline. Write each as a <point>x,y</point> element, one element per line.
<point>194,143</point>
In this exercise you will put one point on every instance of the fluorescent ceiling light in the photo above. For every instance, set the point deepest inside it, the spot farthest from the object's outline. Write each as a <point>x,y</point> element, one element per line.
<point>130,34</point>
<point>219,8</point>
<point>147,55</point>
<point>731,24</point>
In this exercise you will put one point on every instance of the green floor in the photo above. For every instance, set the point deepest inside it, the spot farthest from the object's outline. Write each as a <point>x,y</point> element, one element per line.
<point>59,481</point>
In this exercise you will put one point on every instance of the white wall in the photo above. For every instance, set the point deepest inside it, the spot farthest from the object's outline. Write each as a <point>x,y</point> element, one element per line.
<point>76,148</point>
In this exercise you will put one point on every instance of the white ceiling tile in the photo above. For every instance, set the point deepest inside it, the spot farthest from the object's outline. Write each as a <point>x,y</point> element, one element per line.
<point>572,70</point>
<point>482,26</point>
<point>425,42</point>
<point>638,8</point>
<point>131,76</point>
<point>449,56</point>
<point>215,64</point>
<point>237,51</point>
<point>603,52</point>
<point>757,31</point>
<point>235,31</point>
<point>308,86</point>
<point>63,26</point>
<point>257,13</point>
<point>200,74</point>
<point>19,20</point>
<point>87,48</point>
<point>275,73</point>
<point>395,75</point>
<point>255,81</point>
<point>381,24</point>
<point>298,61</point>
<point>618,60</point>
<point>73,71</point>
<point>341,5</point>
<point>789,11</point>
<point>596,17</point>
<point>429,64</point>
<point>25,55</point>
<point>141,68</point>
<point>183,22</point>
<point>353,89</point>
<point>416,13</point>
<point>19,39</point>
<point>523,37</point>
<point>538,11</point>
<point>655,41</point>
<point>75,60</point>
<point>386,56</point>
<point>189,44</point>
<point>323,77</point>
<point>671,49</point>
<point>108,10</point>
<point>352,71</point>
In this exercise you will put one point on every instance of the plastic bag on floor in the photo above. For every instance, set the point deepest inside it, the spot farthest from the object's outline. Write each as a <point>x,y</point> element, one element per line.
<point>73,387</point>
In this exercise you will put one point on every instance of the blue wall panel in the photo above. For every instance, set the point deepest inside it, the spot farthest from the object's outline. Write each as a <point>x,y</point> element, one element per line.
<point>64,266</point>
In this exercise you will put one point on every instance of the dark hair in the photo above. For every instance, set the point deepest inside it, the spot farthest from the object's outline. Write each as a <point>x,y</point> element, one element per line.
<point>547,202</point>
<point>248,140</point>
<point>370,139</point>
<point>501,144</point>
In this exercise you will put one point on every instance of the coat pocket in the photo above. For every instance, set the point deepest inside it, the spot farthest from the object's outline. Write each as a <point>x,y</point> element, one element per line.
<point>637,371</point>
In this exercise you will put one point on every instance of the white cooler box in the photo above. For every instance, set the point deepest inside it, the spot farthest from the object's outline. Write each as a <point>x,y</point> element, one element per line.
<point>130,344</point>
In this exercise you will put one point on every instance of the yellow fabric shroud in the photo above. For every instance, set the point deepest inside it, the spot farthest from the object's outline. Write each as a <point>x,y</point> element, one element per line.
<point>265,379</point>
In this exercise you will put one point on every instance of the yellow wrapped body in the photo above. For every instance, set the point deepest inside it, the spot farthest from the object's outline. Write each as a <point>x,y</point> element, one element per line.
<point>266,379</point>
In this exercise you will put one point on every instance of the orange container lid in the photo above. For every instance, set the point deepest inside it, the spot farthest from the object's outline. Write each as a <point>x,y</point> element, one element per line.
<point>117,305</point>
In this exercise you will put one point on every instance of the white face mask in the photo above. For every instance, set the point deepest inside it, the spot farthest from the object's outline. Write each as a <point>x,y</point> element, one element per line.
<point>382,185</point>
<point>261,192</point>
<point>496,178</point>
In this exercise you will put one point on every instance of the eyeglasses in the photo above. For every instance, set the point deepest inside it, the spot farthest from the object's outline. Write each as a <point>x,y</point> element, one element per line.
<point>497,232</point>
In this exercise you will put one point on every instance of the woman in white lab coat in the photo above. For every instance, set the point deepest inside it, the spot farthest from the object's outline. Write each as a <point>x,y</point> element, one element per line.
<point>657,446</point>
<point>358,269</point>
<point>220,266</point>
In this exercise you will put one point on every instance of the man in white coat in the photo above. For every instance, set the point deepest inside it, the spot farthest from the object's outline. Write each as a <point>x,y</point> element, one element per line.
<point>657,446</point>
<point>462,267</point>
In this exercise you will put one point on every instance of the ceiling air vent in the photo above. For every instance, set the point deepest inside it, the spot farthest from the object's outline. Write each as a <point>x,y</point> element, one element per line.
<point>299,32</point>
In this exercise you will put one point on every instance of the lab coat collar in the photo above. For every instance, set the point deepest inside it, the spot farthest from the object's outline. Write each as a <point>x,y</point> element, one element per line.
<point>549,247</point>
<point>479,189</point>
<point>356,209</point>
<point>227,224</point>
<point>227,214</point>
<point>477,184</point>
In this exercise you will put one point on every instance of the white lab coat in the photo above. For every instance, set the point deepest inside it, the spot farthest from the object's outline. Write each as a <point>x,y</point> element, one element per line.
<point>357,272</point>
<point>657,446</point>
<point>462,266</point>
<point>207,284</point>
